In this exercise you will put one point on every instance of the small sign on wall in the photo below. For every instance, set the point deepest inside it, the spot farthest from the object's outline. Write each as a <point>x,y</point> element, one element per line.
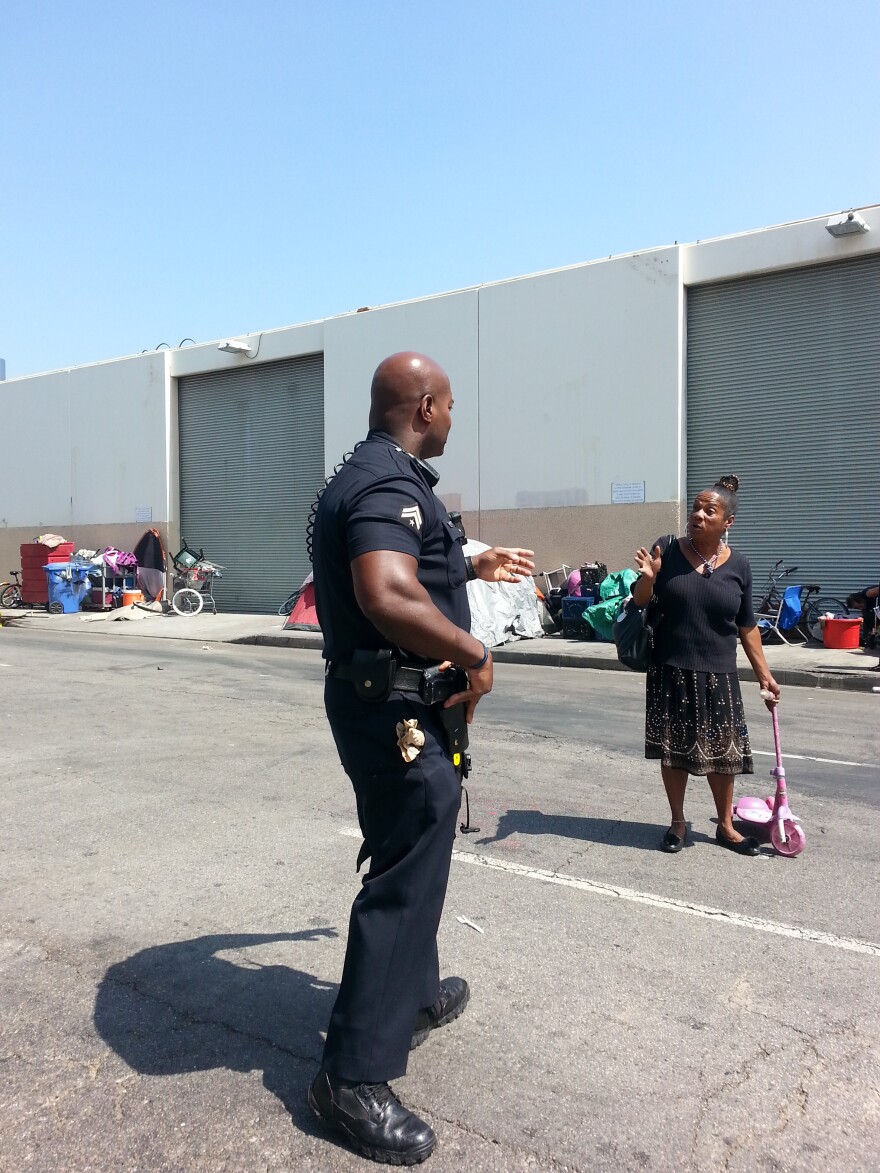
<point>143,513</point>
<point>627,492</point>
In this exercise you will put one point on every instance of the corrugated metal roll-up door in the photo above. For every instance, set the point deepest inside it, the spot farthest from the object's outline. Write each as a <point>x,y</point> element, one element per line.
<point>783,388</point>
<point>251,462</point>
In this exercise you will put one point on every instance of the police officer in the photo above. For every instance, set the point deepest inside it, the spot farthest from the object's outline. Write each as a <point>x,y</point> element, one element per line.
<point>390,594</point>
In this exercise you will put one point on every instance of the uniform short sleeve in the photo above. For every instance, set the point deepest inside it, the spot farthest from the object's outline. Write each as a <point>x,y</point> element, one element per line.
<point>746,614</point>
<point>391,515</point>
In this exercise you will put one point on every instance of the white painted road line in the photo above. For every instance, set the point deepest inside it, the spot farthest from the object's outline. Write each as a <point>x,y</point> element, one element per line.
<point>801,757</point>
<point>665,903</point>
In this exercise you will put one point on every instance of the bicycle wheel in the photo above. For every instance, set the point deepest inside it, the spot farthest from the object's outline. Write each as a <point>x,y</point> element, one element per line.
<point>10,596</point>
<point>818,608</point>
<point>187,601</point>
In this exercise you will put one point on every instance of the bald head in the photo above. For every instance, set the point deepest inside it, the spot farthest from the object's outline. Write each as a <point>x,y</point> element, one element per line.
<point>410,399</point>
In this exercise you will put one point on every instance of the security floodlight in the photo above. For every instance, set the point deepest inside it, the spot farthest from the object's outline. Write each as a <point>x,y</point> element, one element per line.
<point>847,224</point>
<point>233,346</point>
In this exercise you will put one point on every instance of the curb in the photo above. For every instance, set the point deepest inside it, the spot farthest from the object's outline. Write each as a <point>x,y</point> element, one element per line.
<point>303,639</point>
<point>841,680</point>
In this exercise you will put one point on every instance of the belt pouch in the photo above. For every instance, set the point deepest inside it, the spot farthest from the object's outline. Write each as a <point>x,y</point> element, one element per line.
<point>372,673</point>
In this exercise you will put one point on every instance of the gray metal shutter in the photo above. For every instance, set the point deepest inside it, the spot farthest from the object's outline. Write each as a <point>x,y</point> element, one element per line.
<point>783,388</point>
<point>251,462</point>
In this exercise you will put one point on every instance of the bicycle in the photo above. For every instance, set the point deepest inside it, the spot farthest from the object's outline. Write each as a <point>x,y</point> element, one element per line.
<point>813,610</point>
<point>10,592</point>
<point>773,597</point>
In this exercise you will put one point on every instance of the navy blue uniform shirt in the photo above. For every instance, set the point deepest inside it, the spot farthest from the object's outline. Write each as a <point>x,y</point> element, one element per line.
<point>382,500</point>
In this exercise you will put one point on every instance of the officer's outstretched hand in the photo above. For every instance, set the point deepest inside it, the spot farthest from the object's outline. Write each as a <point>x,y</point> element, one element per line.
<point>479,683</point>
<point>501,564</point>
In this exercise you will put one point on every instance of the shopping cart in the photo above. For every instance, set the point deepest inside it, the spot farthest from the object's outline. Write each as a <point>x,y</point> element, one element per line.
<point>192,581</point>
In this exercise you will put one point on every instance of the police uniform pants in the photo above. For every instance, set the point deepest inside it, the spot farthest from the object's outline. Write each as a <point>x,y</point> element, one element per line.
<point>407,813</point>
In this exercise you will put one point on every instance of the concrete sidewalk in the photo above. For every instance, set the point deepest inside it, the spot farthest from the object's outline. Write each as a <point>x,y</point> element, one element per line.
<point>811,665</point>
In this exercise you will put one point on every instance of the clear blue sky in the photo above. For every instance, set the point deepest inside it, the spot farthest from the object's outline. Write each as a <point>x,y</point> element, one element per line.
<point>198,169</point>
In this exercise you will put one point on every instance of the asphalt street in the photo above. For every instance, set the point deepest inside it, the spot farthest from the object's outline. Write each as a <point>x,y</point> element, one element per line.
<point>178,865</point>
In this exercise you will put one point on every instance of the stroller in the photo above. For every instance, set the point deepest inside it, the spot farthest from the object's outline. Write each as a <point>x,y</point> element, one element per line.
<point>192,580</point>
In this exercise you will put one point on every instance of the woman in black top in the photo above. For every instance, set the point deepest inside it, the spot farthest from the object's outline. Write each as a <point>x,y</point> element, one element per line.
<point>694,722</point>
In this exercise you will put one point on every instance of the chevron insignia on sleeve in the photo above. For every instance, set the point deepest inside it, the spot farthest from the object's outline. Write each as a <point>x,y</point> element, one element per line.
<point>412,515</point>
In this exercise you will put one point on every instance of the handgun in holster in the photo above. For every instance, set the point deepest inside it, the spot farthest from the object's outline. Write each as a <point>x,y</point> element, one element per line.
<point>438,686</point>
<point>454,721</point>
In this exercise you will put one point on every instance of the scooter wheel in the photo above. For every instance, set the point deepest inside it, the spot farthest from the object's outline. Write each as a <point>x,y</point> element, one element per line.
<point>795,840</point>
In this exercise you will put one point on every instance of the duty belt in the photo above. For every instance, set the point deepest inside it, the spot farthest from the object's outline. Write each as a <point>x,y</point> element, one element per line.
<point>429,683</point>
<point>404,679</point>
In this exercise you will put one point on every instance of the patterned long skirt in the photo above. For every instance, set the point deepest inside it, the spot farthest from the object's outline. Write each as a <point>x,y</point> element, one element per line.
<point>695,721</point>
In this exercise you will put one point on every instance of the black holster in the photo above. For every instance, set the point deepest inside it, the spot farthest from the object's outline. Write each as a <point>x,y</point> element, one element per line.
<point>455,724</point>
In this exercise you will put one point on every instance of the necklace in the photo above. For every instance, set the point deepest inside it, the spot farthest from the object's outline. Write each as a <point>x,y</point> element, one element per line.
<point>708,566</point>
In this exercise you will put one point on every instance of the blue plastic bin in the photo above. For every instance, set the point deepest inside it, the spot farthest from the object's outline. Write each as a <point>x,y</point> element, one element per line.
<point>68,585</point>
<point>574,626</point>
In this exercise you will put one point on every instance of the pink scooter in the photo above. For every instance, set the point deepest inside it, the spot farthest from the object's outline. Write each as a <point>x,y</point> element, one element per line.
<point>786,833</point>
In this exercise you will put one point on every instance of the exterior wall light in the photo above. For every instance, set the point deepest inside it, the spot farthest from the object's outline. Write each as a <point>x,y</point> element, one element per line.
<point>233,346</point>
<point>847,224</point>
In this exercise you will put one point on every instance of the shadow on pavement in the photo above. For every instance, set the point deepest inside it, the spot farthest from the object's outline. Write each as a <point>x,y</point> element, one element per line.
<point>178,1008</point>
<point>615,832</point>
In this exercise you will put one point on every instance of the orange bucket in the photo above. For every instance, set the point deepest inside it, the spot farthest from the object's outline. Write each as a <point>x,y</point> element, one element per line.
<point>841,633</point>
<point>130,597</point>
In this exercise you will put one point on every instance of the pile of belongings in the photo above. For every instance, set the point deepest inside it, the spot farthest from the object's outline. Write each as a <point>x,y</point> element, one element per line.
<point>146,562</point>
<point>116,561</point>
<point>613,589</point>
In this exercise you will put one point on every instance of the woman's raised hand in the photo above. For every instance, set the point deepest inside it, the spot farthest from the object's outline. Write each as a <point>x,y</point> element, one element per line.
<point>648,565</point>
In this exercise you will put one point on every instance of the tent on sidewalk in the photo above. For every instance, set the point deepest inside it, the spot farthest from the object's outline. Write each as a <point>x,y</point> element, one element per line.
<point>303,616</point>
<point>150,554</point>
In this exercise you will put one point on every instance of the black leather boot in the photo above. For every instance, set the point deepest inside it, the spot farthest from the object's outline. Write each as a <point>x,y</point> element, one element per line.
<point>454,996</point>
<point>373,1120</point>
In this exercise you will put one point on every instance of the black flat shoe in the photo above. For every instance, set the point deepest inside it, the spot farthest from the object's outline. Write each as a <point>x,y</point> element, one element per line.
<point>672,842</point>
<point>454,996</point>
<point>372,1119</point>
<point>746,846</point>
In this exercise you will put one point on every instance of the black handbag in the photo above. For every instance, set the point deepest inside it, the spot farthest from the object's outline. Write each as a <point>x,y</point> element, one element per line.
<point>634,635</point>
<point>634,629</point>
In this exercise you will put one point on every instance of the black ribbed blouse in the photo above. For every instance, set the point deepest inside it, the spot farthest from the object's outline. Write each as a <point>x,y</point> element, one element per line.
<point>701,614</point>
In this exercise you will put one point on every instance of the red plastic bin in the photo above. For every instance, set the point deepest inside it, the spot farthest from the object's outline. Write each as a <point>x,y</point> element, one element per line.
<point>841,633</point>
<point>34,556</point>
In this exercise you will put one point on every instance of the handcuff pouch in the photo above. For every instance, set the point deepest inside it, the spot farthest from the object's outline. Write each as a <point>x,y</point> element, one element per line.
<point>372,673</point>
